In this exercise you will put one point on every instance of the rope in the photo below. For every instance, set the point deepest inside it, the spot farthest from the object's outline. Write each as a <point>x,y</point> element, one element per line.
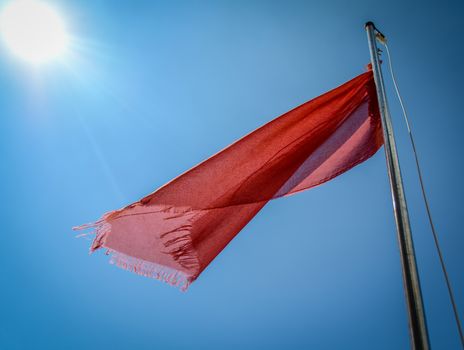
<point>424,196</point>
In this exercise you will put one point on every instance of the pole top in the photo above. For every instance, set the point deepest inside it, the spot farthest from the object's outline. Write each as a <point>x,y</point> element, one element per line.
<point>379,35</point>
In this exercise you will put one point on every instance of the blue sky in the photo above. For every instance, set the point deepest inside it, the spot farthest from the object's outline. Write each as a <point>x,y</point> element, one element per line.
<point>150,89</point>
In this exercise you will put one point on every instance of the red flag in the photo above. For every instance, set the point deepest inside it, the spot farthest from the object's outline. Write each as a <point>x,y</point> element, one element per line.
<point>175,232</point>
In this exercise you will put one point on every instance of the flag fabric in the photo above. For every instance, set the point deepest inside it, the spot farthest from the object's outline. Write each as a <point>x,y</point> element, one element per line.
<point>176,231</point>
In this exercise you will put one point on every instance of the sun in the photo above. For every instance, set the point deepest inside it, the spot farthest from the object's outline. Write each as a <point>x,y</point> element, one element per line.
<point>33,30</point>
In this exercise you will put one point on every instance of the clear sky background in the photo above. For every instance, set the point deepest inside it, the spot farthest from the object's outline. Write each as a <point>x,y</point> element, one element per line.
<point>150,89</point>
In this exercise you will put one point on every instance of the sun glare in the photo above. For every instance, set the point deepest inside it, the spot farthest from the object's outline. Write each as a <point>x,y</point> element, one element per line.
<point>33,30</point>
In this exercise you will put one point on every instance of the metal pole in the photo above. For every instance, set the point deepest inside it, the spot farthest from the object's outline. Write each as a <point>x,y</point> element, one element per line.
<point>417,323</point>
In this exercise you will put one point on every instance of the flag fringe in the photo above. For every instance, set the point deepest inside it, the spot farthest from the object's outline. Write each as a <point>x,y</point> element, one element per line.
<point>180,248</point>
<point>152,270</point>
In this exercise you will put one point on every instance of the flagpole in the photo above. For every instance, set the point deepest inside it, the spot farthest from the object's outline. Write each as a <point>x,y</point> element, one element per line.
<point>417,323</point>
